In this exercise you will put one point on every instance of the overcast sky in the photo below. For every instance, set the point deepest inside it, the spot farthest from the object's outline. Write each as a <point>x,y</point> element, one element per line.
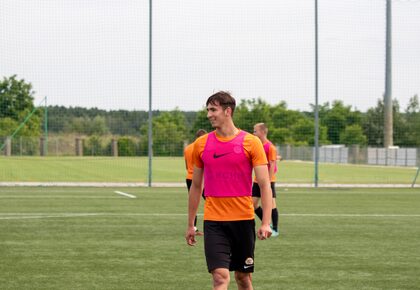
<point>94,53</point>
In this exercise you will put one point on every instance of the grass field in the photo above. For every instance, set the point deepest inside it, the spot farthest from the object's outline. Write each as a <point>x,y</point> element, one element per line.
<point>94,238</point>
<point>172,169</point>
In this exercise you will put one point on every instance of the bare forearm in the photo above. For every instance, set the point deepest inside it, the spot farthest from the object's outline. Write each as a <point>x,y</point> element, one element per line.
<point>193,203</point>
<point>271,170</point>
<point>266,202</point>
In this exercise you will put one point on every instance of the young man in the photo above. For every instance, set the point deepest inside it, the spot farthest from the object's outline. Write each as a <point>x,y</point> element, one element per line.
<point>226,158</point>
<point>188,153</point>
<point>261,131</point>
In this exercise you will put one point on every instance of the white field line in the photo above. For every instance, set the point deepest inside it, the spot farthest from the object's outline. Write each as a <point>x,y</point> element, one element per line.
<point>347,215</point>
<point>17,216</point>
<point>55,197</point>
<point>43,216</point>
<point>181,184</point>
<point>125,194</point>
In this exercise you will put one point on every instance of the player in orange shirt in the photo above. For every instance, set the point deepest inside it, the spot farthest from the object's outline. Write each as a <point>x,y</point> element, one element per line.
<point>189,166</point>
<point>261,131</point>
<point>226,158</point>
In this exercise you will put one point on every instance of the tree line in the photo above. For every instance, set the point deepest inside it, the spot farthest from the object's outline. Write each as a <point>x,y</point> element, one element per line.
<point>339,123</point>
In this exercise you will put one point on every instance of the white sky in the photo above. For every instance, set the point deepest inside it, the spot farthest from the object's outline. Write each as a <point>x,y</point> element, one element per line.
<point>94,53</point>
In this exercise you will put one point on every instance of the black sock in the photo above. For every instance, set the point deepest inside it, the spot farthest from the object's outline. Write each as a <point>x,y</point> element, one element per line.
<point>259,212</point>
<point>275,218</point>
<point>195,221</point>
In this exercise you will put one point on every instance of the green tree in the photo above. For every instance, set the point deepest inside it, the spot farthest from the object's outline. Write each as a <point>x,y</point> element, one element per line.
<point>87,125</point>
<point>280,135</point>
<point>304,132</point>
<point>16,103</point>
<point>127,146</point>
<point>353,134</point>
<point>336,118</point>
<point>93,146</point>
<point>412,116</point>
<point>98,126</point>
<point>7,126</point>
<point>250,112</point>
<point>282,127</point>
<point>373,124</point>
<point>282,117</point>
<point>169,133</point>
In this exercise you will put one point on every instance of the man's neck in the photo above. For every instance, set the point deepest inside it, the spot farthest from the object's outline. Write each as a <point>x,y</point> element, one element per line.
<point>227,131</point>
<point>264,140</point>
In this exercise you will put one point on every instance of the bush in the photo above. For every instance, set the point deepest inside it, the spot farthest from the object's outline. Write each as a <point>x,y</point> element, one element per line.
<point>93,146</point>
<point>126,146</point>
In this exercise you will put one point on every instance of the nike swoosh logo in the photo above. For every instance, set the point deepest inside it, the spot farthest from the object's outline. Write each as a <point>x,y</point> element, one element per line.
<point>220,155</point>
<point>248,266</point>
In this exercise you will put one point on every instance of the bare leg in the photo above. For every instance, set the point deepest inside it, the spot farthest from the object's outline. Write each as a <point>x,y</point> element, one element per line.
<point>244,280</point>
<point>221,279</point>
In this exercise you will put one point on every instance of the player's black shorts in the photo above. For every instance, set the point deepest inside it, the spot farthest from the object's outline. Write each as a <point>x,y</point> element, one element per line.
<point>189,182</point>
<point>230,245</point>
<point>256,189</point>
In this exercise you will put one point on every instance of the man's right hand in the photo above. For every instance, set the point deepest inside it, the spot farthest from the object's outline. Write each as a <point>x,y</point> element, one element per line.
<point>190,236</point>
<point>264,232</point>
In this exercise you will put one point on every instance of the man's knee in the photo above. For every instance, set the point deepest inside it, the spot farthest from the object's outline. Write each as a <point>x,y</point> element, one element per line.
<point>220,277</point>
<point>244,280</point>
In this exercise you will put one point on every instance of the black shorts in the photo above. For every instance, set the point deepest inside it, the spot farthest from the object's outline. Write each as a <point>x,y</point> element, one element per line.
<point>256,189</point>
<point>189,182</point>
<point>230,245</point>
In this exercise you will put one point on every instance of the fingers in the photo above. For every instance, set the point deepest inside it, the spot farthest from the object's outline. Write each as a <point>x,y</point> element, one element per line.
<point>191,241</point>
<point>190,238</point>
<point>263,235</point>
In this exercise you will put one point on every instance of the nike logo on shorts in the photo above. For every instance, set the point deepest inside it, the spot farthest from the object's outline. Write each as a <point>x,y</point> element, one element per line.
<point>248,266</point>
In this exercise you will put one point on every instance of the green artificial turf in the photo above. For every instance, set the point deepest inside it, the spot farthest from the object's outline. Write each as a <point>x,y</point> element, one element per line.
<point>172,169</point>
<point>95,238</point>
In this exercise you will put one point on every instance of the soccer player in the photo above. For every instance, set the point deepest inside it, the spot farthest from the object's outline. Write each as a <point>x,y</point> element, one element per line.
<point>226,158</point>
<point>261,131</point>
<point>188,152</point>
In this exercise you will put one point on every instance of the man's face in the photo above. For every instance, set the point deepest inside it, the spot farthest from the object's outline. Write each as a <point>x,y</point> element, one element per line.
<point>258,132</point>
<point>216,115</point>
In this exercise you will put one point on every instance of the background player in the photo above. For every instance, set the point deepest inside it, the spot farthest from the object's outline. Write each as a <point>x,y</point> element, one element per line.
<point>261,131</point>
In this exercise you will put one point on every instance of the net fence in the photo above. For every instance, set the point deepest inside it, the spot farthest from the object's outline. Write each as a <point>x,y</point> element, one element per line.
<point>74,86</point>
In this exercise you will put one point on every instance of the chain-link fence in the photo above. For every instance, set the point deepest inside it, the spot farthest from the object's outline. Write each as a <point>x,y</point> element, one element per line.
<point>76,76</point>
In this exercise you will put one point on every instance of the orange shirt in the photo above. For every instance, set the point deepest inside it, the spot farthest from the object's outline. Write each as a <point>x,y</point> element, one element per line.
<point>271,156</point>
<point>189,166</point>
<point>230,208</point>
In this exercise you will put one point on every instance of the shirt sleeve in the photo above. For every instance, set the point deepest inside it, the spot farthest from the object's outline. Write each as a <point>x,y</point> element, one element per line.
<point>255,150</point>
<point>199,145</point>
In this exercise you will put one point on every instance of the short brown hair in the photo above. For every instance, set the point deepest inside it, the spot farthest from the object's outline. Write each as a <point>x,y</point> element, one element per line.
<point>223,99</point>
<point>200,132</point>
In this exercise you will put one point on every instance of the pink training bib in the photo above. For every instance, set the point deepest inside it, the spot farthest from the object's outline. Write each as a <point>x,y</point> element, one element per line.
<point>227,170</point>
<point>267,150</point>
